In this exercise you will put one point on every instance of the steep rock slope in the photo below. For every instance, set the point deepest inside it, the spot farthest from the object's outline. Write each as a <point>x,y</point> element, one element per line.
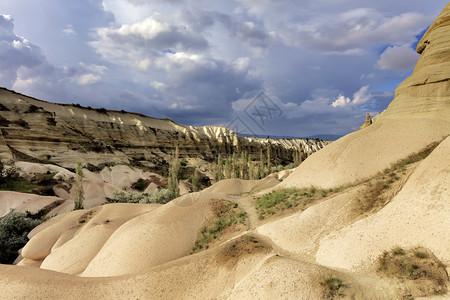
<point>418,215</point>
<point>418,115</point>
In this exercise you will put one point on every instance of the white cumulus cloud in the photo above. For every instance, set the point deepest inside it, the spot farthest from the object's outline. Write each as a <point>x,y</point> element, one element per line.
<point>360,97</point>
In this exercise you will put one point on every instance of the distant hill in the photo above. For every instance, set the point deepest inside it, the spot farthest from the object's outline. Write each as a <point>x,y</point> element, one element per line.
<point>327,137</point>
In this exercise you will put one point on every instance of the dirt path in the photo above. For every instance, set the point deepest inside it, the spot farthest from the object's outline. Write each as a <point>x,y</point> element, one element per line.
<point>246,203</point>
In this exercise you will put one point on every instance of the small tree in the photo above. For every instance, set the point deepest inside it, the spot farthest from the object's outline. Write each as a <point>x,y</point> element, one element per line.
<point>269,167</point>
<point>174,175</point>
<point>218,170</point>
<point>196,181</point>
<point>244,165</point>
<point>235,169</point>
<point>78,191</point>
<point>261,165</point>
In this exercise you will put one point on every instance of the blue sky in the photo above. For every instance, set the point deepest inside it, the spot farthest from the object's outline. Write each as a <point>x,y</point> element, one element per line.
<point>322,63</point>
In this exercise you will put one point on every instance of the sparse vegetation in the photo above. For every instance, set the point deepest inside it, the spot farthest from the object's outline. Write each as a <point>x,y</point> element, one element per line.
<point>333,287</point>
<point>101,110</point>
<point>379,191</point>
<point>157,197</point>
<point>398,251</point>
<point>183,162</point>
<point>422,272</point>
<point>226,215</point>
<point>86,217</point>
<point>244,167</point>
<point>415,157</point>
<point>11,181</point>
<point>289,198</point>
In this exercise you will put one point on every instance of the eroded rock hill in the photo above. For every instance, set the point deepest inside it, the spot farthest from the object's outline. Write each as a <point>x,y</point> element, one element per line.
<point>62,134</point>
<point>418,116</point>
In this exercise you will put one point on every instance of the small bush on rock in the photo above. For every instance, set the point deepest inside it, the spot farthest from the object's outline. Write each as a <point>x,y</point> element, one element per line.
<point>140,184</point>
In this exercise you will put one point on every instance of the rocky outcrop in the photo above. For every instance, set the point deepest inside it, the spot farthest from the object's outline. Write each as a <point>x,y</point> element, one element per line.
<point>418,116</point>
<point>367,122</point>
<point>62,134</point>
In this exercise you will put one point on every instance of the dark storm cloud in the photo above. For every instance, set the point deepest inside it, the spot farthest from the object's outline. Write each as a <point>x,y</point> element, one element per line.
<point>198,61</point>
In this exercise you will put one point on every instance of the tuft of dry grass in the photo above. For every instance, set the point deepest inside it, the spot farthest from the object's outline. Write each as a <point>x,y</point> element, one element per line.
<point>333,287</point>
<point>418,268</point>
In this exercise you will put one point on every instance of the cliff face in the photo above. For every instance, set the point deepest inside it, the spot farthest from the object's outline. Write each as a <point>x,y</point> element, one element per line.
<point>62,134</point>
<point>418,116</point>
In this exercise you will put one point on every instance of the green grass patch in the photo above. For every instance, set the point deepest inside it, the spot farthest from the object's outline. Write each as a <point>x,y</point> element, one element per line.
<point>226,214</point>
<point>333,287</point>
<point>289,198</point>
<point>17,184</point>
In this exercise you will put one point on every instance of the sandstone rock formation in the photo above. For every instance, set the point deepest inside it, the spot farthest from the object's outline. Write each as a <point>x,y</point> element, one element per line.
<point>62,134</point>
<point>418,116</point>
<point>291,255</point>
<point>367,122</point>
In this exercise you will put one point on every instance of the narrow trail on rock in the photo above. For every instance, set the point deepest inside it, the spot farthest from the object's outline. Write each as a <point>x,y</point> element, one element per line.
<point>246,203</point>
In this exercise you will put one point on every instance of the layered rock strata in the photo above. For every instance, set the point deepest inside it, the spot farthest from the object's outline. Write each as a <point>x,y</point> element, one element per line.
<point>35,130</point>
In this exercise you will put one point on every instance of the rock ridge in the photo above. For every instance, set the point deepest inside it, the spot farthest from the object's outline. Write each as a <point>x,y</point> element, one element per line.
<point>63,134</point>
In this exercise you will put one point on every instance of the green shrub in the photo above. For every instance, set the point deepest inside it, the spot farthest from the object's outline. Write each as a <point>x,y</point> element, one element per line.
<point>140,184</point>
<point>11,181</point>
<point>161,196</point>
<point>333,287</point>
<point>14,228</point>
<point>184,162</point>
<point>101,110</point>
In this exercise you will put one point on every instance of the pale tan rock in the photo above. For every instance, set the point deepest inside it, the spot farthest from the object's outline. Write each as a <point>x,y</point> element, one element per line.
<point>418,215</point>
<point>22,202</point>
<point>298,251</point>
<point>367,122</point>
<point>418,116</point>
